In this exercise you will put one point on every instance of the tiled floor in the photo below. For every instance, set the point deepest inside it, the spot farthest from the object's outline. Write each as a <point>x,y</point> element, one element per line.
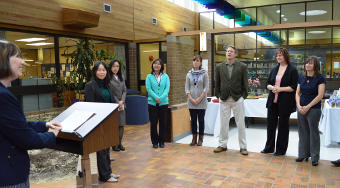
<point>256,139</point>
<point>179,165</point>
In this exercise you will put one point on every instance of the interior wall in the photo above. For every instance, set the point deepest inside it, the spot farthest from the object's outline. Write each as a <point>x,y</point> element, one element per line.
<point>129,19</point>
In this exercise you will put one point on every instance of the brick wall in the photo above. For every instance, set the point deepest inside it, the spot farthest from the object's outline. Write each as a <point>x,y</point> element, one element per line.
<point>180,52</point>
<point>133,66</point>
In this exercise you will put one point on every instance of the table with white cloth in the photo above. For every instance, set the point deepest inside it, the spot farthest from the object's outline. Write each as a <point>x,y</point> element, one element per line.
<point>252,108</point>
<point>329,124</point>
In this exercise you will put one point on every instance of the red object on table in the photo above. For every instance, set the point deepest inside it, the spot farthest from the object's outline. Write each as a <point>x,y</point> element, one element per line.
<point>216,100</point>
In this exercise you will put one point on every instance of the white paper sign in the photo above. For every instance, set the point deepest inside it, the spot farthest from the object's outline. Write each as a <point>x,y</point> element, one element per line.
<point>336,65</point>
<point>75,119</point>
<point>205,64</point>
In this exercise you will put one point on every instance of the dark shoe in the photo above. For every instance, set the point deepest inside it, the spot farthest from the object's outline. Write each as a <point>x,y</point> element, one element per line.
<point>115,148</point>
<point>336,163</point>
<point>301,159</point>
<point>155,145</point>
<point>278,154</point>
<point>315,163</point>
<point>194,140</point>
<point>266,151</point>
<point>200,140</point>
<point>244,151</point>
<point>219,149</point>
<point>161,145</point>
<point>122,148</point>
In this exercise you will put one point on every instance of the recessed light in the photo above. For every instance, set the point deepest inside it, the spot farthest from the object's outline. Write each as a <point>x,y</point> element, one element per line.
<point>282,15</point>
<point>39,44</point>
<point>278,11</point>
<point>285,19</point>
<point>28,60</point>
<point>316,32</point>
<point>30,39</point>
<point>313,12</point>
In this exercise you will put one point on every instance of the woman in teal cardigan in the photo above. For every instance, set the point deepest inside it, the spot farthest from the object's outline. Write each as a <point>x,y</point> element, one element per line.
<point>158,86</point>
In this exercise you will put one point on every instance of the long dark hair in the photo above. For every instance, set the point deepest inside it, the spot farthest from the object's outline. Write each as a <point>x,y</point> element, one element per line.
<point>7,50</point>
<point>316,66</point>
<point>94,71</point>
<point>162,65</point>
<point>119,73</point>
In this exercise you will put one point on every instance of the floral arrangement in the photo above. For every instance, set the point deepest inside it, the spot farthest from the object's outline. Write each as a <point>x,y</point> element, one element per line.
<point>253,84</point>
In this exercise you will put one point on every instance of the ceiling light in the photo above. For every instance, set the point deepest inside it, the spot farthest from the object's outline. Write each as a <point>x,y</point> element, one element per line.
<point>28,60</point>
<point>282,15</point>
<point>313,12</point>
<point>316,32</point>
<point>39,44</point>
<point>30,39</point>
<point>278,11</point>
<point>285,19</point>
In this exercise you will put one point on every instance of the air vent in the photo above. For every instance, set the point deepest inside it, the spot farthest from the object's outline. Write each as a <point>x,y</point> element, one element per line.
<point>107,8</point>
<point>154,21</point>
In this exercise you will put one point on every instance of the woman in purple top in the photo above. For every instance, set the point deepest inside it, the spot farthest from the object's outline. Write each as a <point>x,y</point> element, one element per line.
<point>309,92</point>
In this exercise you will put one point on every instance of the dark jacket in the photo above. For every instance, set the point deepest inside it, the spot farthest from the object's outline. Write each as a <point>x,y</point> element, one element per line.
<point>236,86</point>
<point>16,137</point>
<point>286,100</point>
<point>93,93</point>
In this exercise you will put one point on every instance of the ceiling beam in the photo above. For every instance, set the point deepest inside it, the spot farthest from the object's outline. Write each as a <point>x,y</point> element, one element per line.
<point>261,28</point>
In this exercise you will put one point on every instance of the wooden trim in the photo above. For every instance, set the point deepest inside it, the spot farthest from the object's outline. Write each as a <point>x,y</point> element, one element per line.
<point>58,32</point>
<point>150,40</point>
<point>261,28</point>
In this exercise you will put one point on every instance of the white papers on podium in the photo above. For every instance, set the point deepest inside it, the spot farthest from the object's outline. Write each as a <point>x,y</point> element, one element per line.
<point>76,119</point>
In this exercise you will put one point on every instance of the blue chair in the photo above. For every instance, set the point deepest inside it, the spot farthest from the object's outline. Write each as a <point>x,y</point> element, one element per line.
<point>136,110</point>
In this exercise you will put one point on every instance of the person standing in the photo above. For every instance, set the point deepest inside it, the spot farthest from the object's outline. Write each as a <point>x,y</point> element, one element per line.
<point>119,91</point>
<point>309,92</point>
<point>231,86</point>
<point>282,83</point>
<point>158,86</point>
<point>99,89</point>
<point>16,134</point>
<point>196,88</point>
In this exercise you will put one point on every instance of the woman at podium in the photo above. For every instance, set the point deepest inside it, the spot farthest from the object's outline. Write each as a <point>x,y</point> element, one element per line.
<point>119,91</point>
<point>158,86</point>
<point>99,89</point>
<point>16,134</point>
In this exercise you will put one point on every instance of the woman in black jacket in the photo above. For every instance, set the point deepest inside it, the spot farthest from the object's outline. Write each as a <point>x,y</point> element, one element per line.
<point>282,83</point>
<point>99,89</point>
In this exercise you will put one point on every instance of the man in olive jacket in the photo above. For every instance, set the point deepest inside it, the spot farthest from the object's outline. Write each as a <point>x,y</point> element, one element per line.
<point>231,80</point>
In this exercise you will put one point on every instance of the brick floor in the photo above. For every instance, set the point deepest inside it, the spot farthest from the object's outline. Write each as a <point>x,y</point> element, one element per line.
<point>179,165</point>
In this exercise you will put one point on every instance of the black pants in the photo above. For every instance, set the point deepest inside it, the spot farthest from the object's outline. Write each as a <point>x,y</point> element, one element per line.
<point>104,164</point>
<point>194,115</point>
<point>273,117</point>
<point>158,114</point>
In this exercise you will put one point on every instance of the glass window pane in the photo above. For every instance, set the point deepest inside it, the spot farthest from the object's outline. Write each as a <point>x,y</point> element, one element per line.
<point>324,56</point>
<point>290,13</point>
<point>147,53</point>
<point>268,39</point>
<point>223,22</point>
<point>246,55</point>
<point>206,20</point>
<point>297,58</point>
<point>221,42</point>
<point>318,36</point>
<point>319,11</point>
<point>38,52</point>
<point>297,37</point>
<point>245,17</point>
<point>245,40</point>
<point>336,8</point>
<point>333,68</point>
<point>268,15</point>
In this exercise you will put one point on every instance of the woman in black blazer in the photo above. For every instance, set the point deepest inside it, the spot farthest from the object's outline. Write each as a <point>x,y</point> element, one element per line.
<point>99,89</point>
<point>282,83</point>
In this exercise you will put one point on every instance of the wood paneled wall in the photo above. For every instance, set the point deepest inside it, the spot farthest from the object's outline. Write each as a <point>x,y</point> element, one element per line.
<point>129,19</point>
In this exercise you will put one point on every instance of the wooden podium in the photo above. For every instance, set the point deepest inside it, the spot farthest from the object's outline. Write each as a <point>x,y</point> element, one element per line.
<point>97,133</point>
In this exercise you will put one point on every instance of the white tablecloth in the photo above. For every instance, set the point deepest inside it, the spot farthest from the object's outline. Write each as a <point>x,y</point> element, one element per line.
<point>252,107</point>
<point>329,124</point>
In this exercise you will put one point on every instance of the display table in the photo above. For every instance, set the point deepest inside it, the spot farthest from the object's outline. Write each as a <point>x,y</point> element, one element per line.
<point>329,124</point>
<point>252,107</point>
